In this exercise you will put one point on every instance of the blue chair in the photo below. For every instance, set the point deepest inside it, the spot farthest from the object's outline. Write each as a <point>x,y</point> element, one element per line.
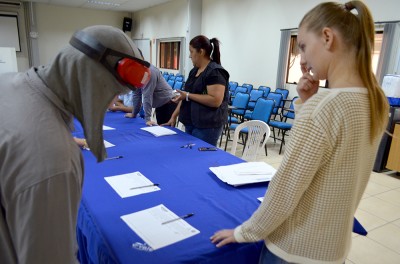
<point>282,125</point>
<point>277,97</point>
<point>178,85</point>
<point>232,86</point>
<point>254,95</point>
<point>237,111</point>
<point>266,90</point>
<point>248,86</point>
<point>179,78</point>
<point>166,77</point>
<point>262,111</point>
<point>285,94</point>
<point>172,78</point>
<point>171,83</point>
<point>240,89</point>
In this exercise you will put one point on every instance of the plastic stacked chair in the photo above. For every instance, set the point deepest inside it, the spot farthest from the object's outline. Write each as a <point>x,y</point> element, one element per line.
<point>254,95</point>
<point>171,83</point>
<point>257,133</point>
<point>266,90</point>
<point>178,85</point>
<point>277,97</point>
<point>248,86</point>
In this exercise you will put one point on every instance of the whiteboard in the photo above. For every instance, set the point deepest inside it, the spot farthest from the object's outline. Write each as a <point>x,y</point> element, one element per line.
<point>9,32</point>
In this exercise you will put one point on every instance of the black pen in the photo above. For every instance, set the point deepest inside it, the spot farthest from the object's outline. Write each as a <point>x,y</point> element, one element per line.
<point>116,157</point>
<point>179,218</point>
<point>145,186</point>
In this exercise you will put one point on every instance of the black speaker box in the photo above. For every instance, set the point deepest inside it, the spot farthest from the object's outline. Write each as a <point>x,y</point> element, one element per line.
<point>127,26</point>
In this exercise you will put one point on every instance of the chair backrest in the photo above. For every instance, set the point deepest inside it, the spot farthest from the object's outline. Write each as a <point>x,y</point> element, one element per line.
<point>263,110</point>
<point>248,86</point>
<point>166,76</point>
<point>257,135</point>
<point>240,102</point>
<point>277,97</point>
<point>255,94</point>
<point>266,90</point>
<point>240,89</point>
<point>285,94</point>
<point>172,78</point>
<point>171,83</point>
<point>178,85</point>
<point>232,86</point>
<point>290,114</point>
<point>179,78</point>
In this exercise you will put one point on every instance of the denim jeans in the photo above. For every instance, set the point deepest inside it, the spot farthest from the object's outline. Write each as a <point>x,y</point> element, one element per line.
<point>209,135</point>
<point>266,257</point>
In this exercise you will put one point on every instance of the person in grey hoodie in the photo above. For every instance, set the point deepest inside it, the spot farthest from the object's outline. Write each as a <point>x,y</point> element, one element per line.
<point>41,167</point>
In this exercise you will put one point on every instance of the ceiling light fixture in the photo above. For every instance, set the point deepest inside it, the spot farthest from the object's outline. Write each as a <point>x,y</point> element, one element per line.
<point>102,3</point>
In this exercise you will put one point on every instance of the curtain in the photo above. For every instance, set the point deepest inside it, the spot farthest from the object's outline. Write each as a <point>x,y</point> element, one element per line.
<point>283,58</point>
<point>390,55</point>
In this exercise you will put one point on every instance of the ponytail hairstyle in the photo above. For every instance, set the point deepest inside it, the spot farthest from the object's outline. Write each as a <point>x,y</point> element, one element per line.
<point>210,46</point>
<point>358,32</point>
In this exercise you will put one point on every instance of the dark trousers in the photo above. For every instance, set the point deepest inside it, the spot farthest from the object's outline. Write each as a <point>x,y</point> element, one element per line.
<point>164,113</point>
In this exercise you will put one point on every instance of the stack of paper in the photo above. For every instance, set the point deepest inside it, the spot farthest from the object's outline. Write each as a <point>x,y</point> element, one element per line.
<point>159,131</point>
<point>131,184</point>
<point>244,173</point>
<point>155,227</point>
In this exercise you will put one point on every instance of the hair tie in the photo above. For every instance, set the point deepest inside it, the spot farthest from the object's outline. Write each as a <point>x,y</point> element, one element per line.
<point>348,6</point>
<point>212,50</point>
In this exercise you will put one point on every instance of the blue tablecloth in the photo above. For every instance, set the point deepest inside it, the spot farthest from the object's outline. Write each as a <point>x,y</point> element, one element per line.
<point>187,185</point>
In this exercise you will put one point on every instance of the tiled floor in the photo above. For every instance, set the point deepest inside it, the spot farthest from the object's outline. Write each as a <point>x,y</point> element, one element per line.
<point>378,212</point>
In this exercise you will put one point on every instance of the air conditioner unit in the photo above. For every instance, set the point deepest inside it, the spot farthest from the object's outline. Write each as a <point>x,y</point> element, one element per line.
<point>15,4</point>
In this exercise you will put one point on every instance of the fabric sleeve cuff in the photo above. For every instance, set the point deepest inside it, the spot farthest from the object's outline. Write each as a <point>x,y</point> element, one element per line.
<point>238,235</point>
<point>298,104</point>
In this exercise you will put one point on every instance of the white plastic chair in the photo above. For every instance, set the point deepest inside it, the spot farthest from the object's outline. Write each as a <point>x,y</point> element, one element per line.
<point>257,135</point>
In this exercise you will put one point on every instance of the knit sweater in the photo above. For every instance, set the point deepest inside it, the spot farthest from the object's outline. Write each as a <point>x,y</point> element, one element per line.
<point>307,212</point>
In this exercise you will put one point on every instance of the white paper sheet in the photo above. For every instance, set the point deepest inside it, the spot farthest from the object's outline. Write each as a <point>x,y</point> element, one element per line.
<point>260,199</point>
<point>108,128</point>
<point>148,225</point>
<point>108,144</point>
<point>123,183</point>
<point>159,131</point>
<point>244,173</point>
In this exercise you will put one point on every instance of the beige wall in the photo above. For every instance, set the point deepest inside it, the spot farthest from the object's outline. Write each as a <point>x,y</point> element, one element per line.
<point>56,24</point>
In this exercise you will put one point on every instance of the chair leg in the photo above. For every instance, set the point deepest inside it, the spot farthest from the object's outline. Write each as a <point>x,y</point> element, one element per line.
<point>283,141</point>
<point>273,131</point>
<point>223,133</point>
<point>227,138</point>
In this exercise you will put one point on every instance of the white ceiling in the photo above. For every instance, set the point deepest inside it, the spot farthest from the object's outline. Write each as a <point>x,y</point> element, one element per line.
<point>124,5</point>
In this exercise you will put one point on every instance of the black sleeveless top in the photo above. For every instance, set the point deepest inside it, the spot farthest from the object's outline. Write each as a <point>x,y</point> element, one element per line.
<point>199,115</point>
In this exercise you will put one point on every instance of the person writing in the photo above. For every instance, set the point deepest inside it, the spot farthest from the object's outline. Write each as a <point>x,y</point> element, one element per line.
<point>203,105</point>
<point>307,212</point>
<point>156,94</point>
<point>41,166</point>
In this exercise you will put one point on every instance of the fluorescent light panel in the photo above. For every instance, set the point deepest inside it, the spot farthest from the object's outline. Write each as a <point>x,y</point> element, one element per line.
<point>102,3</point>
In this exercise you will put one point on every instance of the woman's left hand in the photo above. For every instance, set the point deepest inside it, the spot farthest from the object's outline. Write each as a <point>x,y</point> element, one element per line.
<point>180,97</point>
<point>223,237</point>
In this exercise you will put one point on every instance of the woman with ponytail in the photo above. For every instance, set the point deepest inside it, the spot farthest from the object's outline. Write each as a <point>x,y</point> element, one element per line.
<point>307,213</point>
<point>203,105</point>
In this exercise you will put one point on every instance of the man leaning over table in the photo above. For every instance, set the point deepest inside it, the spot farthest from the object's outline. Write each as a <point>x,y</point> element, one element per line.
<point>41,167</point>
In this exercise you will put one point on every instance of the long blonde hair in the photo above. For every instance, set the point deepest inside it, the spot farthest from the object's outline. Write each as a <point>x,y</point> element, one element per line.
<point>357,31</point>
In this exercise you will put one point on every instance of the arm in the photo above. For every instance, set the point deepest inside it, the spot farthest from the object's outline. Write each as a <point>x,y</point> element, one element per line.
<point>303,157</point>
<point>174,116</point>
<point>213,98</point>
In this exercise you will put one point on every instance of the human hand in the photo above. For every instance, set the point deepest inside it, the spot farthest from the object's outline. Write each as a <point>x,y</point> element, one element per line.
<point>129,115</point>
<point>151,123</point>
<point>171,122</point>
<point>113,108</point>
<point>179,97</point>
<point>223,237</point>
<point>81,142</point>
<point>307,86</point>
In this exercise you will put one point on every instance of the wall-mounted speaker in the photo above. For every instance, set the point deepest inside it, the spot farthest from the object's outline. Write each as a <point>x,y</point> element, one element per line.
<point>127,25</point>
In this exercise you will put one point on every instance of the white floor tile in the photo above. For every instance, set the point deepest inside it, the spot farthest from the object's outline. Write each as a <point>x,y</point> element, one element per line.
<point>387,235</point>
<point>380,208</point>
<point>369,221</point>
<point>375,188</point>
<point>392,197</point>
<point>367,251</point>
<point>386,180</point>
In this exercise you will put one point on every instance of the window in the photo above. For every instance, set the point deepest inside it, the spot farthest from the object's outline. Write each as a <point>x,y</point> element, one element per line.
<point>170,55</point>
<point>294,73</point>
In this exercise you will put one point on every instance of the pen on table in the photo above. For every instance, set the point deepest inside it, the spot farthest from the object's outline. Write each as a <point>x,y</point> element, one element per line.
<point>145,186</point>
<point>116,157</point>
<point>179,218</point>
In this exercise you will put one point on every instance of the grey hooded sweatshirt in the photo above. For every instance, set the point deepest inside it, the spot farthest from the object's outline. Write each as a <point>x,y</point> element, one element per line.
<point>41,167</point>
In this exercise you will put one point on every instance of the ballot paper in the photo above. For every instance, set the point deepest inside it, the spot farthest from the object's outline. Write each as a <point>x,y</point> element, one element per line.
<point>131,184</point>
<point>108,128</point>
<point>148,225</point>
<point>244,173</point>
<point>260,199</point>
<point>159,131</point>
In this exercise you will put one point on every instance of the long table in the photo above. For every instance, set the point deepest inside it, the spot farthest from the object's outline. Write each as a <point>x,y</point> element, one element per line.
<point>187,185</point>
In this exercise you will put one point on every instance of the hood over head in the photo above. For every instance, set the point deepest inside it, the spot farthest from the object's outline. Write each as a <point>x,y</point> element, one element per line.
<point>85,86</point>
